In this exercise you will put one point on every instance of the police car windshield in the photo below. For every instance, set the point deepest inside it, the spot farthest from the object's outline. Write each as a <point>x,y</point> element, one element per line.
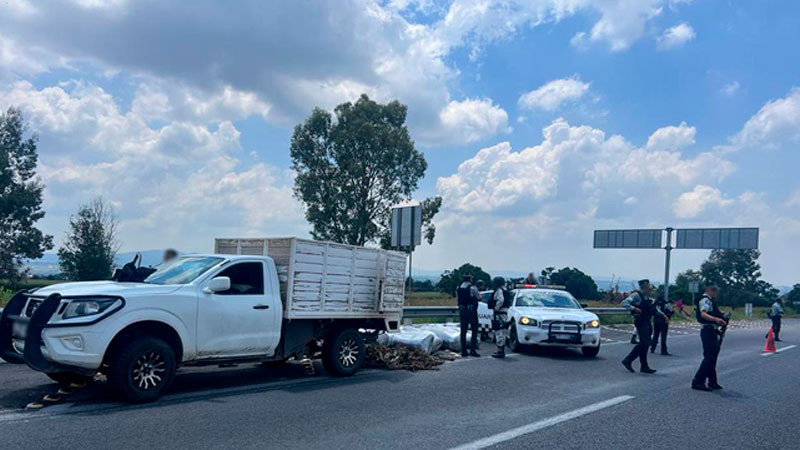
<point>546,299</point>
<point>182,270</point>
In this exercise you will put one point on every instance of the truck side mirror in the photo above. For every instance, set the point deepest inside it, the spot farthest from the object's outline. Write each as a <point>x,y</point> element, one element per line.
<point>217,284</point>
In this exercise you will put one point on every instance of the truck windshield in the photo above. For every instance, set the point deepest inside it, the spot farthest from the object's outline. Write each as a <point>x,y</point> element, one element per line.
<point>182,270</point>
<point>546,299</point>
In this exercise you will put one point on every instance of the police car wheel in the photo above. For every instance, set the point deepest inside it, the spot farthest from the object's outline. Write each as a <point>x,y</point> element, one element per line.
<point>513,340</point>
<point>590,352</point>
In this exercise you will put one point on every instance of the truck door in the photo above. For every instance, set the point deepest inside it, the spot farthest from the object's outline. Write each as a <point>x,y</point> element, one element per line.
<point>239,321</point>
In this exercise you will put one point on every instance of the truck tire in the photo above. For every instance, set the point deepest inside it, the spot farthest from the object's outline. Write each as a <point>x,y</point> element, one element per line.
<point>343,352</point>
<point>590,352</point>
<point>67,378</point>
<point>142,370</point>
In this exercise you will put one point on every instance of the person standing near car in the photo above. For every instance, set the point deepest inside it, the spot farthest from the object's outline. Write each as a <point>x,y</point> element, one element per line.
<point>502,302</point>
<point>776,316</point>
<point>641,308</point>
<point>663,314</point>
<point>468,297</point>
<point>712,320</point>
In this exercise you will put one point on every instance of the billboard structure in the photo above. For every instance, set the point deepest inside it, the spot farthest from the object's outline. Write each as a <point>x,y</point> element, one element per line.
<point>685,238</point>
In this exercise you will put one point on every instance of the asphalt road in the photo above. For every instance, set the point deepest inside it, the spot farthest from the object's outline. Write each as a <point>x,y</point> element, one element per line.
<point>546,399</point>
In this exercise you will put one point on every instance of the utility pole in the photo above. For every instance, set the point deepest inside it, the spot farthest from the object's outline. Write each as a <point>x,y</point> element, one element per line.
<point>668,248</point>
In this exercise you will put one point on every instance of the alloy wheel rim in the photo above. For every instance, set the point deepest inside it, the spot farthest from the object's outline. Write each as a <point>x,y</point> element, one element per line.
<point>348,352</point>
<point>149,370</point>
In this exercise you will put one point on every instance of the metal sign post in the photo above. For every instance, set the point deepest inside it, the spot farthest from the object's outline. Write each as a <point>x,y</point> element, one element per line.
<point>407,231</point>
<point>686,238</point>
<point>694,288</point>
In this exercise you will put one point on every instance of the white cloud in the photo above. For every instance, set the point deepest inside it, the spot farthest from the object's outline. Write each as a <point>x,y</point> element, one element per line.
<point>676,36</point>
<point>672,138</point>
<point>622,23</point>
<point>701,198</point>
<point>552,95</point>
<point>776,124</point>
<point>471,120</point>
<point>174,183</point>
<point>730,88</point>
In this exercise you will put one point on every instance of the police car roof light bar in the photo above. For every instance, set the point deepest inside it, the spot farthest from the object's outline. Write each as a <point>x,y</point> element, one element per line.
<point>541,286</point>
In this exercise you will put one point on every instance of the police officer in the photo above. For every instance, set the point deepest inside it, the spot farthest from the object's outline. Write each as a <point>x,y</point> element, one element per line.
<point>663,314</point>
<point>712,320</point>
<point>502,301</point>
<point>468,296</point>
<point>641,308</point>
<point>777,314</point>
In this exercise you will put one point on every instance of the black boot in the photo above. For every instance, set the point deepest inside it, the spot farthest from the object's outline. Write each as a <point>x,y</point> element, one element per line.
<point>628,366</point>
<point>500,353</point>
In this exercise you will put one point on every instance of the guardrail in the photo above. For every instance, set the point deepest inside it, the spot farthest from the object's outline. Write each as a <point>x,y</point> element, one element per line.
<point>416,312</point>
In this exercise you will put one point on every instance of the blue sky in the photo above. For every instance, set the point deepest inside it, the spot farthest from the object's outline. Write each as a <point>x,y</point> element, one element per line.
<point>541,120</point>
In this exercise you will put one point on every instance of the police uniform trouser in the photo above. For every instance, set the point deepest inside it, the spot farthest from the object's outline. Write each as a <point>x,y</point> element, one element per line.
<point>501,330</point>
<point>660,328</point>
<point>645,330</point>
<point>708,368</point>
<point>469,318</point>
<point>776,326</point>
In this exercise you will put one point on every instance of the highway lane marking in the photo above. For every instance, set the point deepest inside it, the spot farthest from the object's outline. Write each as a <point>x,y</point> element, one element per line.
<point>788,347</point>
<point>537,426</point>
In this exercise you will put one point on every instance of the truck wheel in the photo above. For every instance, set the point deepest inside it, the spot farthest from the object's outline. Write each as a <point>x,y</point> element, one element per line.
<point>142,370</point>
<point>590,352</point>
<point>343,353</point>
<point>67,378</point>
<point>513,340</point>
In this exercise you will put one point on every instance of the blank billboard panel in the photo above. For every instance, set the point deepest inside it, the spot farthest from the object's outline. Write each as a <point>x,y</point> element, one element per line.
<point>717,238</point>
<point>627,238</point>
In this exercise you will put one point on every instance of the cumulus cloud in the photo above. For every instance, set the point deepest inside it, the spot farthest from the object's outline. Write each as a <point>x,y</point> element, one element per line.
<point>730,88</point>
<point>672,138</point>
<point>470,120</point>
<point>698,200</point>
<point>776,124</point>
<point>281,59</point>
<point>165,179</point>
<point>676,36</point>
<point>552,95</point>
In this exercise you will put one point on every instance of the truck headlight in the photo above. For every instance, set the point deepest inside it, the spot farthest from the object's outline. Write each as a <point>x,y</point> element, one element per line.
<point>524,320</point>
<point>87,307</point>
<point>591,324</point>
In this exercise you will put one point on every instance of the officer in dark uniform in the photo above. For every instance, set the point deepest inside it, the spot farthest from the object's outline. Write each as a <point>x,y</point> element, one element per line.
<point>661,324</point>
<point>641,308</point>
<point>468,296</point>
<point>776,313</point>
<point>712,320</point>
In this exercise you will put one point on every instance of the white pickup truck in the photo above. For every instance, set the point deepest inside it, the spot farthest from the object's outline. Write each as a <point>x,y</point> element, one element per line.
<point>252,300</point>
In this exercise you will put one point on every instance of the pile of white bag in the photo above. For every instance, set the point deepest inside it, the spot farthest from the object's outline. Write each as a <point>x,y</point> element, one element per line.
<point>428,338</point>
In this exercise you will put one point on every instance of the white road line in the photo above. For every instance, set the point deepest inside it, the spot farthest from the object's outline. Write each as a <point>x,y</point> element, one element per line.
<point>788,347</point>
<point>527,429</point>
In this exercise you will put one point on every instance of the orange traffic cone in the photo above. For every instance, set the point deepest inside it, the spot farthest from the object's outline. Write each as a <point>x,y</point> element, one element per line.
<point>769,346</point>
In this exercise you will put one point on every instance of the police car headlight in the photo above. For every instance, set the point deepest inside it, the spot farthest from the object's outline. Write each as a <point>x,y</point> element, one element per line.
<point>524,320</point>
<point>591,324</point>
<point>87,307</point>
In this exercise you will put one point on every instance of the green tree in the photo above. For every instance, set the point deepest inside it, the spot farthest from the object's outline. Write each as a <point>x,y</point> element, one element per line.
<point>91,244</point>
<point>580,285</point>
<point>681,288</point>
<point>20,198</point>
<point>351,170</point>
<point>738,275</point>
<point>452,278</point>
<point>793,297</point>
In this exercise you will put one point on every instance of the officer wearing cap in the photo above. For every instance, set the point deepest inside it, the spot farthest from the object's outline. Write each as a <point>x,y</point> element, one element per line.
<point>712,320</point>
<point>641,308</point>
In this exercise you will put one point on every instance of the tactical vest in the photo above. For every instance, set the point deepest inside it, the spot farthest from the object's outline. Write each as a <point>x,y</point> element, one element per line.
<point>464,295</point>
<point>646,306</point>
<point>715,312</point>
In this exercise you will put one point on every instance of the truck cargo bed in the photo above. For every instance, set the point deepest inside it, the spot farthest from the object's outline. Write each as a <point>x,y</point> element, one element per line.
<point>328,280</point>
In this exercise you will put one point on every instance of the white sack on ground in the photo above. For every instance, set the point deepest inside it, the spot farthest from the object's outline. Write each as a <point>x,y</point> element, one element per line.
<point>450,335</point>
<point>416,338</point>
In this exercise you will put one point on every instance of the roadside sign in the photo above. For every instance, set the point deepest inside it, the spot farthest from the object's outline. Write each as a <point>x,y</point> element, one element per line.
<point>717,238</point>
<point>694,286</point>
<point>748,309</point>
<point>627,238</point>
<point>406,225</point>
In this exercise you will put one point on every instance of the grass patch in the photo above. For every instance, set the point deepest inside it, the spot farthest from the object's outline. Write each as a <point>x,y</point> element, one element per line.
<point>430,299</point>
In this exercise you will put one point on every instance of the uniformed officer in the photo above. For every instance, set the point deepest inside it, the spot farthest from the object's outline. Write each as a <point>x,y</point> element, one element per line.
<point>712,320</point>
<point>663,314</point>
<point>500,322</point>
<point>641,308</point>
<point>777,314</point>
<point>468,296</point>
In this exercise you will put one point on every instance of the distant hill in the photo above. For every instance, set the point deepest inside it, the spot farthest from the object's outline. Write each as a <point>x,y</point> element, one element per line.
<point>48,263</point>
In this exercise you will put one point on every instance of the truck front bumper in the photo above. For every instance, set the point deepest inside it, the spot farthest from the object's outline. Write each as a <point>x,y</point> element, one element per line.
<point>28,339</point>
